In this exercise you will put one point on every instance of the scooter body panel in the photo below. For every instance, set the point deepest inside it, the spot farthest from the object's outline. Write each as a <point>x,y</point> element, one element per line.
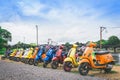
<point>39,55</point>
<point>105,58</point>
<point>35,53</point>
<point>13,53</point>
<point>49,55</point>
<point>55,58</point>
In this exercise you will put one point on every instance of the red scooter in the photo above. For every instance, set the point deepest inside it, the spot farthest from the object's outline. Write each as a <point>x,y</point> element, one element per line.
<point>59,58</point>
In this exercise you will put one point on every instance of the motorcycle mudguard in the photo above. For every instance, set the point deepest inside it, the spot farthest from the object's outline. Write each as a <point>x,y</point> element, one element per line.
<point>55,59</point>
<point>37,58</point>
<point>46,59</point>
<point>68,59</point>
<point>83,60</point>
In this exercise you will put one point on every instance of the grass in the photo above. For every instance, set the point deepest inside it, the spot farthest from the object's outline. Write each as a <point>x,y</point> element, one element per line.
<point>117,64</point>
<point>112,72</point>
<point>76,72</point>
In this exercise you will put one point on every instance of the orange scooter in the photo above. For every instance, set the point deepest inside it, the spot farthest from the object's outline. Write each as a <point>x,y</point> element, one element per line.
<point>102,60</point>
<point>31,59</point>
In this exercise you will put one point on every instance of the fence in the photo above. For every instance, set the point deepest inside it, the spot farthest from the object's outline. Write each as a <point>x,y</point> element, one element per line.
<point>117,57</point>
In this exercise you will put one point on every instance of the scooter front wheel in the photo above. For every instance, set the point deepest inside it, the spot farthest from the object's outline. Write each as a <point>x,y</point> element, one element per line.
<point>84,68</point>
<point>31,61</point>
<point>45,64</point>
<point>67,66</point>
<point>26,61</point>
<point>11,58</point>
<point>14,58</point>
<point>35,63</point>
<point>17,59</point>
<point>54,64</point>
<point>3,58</point>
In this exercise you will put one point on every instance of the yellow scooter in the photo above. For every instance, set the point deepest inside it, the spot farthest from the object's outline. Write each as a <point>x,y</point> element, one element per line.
<point>71,60</point>
<point>11,57</point>
<point>28,55</point>
<point>19,55</point>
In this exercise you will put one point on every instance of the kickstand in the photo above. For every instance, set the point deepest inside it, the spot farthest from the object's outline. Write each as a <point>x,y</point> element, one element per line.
<point>101,70</point>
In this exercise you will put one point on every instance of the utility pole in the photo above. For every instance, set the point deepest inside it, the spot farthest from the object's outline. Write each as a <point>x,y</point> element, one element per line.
<point>49,41</point>
<point>101,30</point>
<point>23,39</point>
<point>37,34</point>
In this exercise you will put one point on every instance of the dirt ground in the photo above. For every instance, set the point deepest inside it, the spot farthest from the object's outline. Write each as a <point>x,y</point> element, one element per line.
<point>113,75</point>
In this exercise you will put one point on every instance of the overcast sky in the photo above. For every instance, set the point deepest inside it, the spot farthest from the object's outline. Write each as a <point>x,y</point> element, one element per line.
<point>61,20</point>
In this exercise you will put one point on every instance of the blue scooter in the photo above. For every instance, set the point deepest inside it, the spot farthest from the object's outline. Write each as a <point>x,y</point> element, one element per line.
<point>39,56</point>
<point>49,55</point>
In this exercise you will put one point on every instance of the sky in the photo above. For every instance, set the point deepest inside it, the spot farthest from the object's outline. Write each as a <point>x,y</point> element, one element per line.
<point>60,20</point>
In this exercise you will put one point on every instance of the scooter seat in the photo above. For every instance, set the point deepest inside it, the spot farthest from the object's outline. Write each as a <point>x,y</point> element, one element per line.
<point>101,52</point>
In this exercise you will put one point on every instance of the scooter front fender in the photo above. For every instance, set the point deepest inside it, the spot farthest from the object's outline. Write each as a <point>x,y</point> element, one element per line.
<point>83,60</point>
<point>68,59</point>
<point>47,59</point>
<point>55,59</point>
<point>37,58</point>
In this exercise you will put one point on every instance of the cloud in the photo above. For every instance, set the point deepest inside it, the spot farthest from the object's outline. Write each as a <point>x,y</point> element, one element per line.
<point>65,23</point>
<point>31,8</point>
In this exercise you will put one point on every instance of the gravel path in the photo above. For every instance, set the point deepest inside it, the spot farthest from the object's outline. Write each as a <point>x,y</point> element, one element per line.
<point>19,71</point>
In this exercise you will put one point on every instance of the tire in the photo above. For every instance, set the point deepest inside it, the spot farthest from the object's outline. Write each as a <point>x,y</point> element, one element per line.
<point>26,61</point>
<point>84,68</point>
<point>35,63</point>
<point>14,58</point>
<point>109,68</point>
<point>10,58</point>
<point>54,64</point>
<point>31,61</point>
<point>45,64</point>
<point>67,66</point>
<point>22,59</point>
<point>3,58</point>
<point>17,59</point>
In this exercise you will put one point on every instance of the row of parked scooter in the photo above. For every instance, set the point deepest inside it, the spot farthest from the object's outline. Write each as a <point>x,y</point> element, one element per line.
<point>85,58</point>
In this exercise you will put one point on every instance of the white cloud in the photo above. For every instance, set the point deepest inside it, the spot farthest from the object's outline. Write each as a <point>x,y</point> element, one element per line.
<point>31,8</point>
<point>61,25</point>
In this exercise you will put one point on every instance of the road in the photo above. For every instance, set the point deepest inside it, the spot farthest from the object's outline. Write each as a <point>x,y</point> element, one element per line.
<point>19,71</point>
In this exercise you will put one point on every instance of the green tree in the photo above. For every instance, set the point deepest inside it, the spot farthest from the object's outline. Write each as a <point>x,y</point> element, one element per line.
<point>5,36</point>
<point>67,45</point>
<point>113,41</point>
<point>104,43</point>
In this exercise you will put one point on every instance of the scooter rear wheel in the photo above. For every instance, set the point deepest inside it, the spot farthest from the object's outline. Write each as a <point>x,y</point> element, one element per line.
<point>26,61</point>
<point>14,58</point>
<point>31,61</point>
<point>84,68</point>
<point>17,59</point>
<point>67,66</point>
<point>11,58</point>
<point>54,64</point>
<point>45,64</point>
<point>3,58</point>
<point>109,68</point>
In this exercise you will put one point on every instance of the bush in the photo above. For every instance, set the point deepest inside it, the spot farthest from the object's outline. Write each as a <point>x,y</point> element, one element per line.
<point>2,51</point>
